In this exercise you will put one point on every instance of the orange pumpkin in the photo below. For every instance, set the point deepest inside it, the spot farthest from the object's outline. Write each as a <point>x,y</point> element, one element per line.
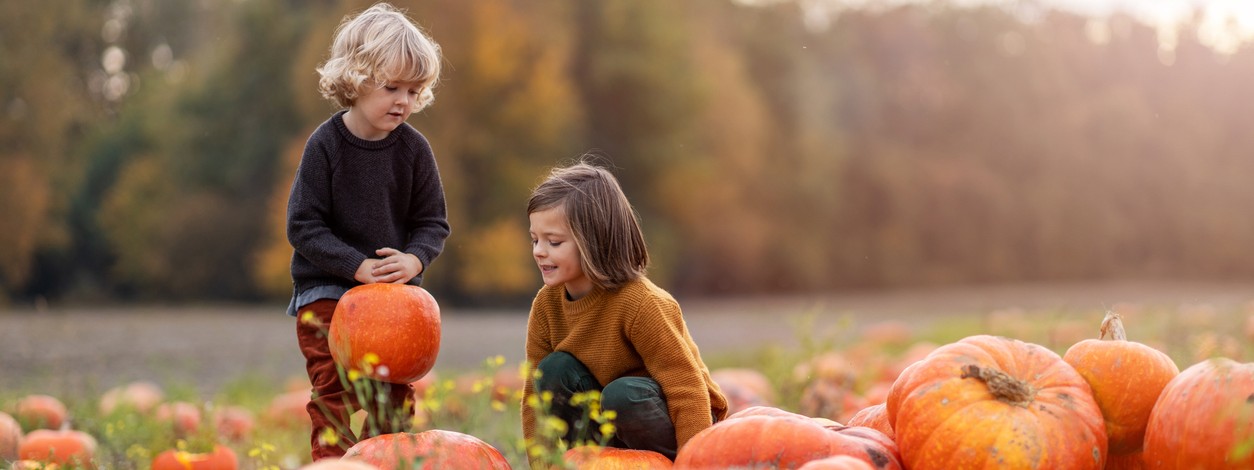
<point>874,417</point>
<point>782,441</point>
<point>830,399</point>
<point>865,444</point>
<point>61,447</point>
<point>762,410</point>
<point>234,423</point>
<point>222,458</point>
<point>435,449</point>
<point>388,332</point>
<point>142,396</point>
<point>755,442</point>
<point>287,410</point>
<point>183,417</point>
<point>839,462</point>
<point>1126,378</point>
<point>1132,461</point>
<point>1204,418</point>
<point>987,401</point>
<point>10,437</point>
<point>41,412</point>
<point>743,387</point>
<point>611,458</point>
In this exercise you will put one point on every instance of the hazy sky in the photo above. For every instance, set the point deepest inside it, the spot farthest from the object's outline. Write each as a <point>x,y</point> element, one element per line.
<point>1224,24</point>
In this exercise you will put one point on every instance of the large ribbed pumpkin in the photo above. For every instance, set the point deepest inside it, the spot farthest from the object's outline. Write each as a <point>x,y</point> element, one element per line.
<point>1204,418</point>
<point>993,402</point>
<point>433,449</point>
<point>388,332</point>
<point>1126,377</point>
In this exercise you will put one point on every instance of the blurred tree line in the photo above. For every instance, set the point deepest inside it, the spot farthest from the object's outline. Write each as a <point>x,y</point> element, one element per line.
<point>147,147</point>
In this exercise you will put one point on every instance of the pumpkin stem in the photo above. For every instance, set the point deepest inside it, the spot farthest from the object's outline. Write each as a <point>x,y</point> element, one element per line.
<point>1003,387</point>
<point>1113,324</point>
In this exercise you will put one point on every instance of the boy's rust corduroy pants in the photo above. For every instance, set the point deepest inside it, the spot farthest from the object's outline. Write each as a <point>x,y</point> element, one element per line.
<point>331,403</point>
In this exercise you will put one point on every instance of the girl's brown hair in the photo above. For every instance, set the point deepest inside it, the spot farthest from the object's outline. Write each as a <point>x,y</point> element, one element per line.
<point>605,227</point>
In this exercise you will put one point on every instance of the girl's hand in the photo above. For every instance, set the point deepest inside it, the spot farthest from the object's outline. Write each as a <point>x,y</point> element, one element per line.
<point>396,267</point>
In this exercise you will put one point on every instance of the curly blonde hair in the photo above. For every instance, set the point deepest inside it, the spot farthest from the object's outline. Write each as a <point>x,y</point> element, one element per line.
<point>377,46</point>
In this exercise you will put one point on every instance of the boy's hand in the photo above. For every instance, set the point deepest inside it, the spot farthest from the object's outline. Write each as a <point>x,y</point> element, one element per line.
<point>396,267</point>
<point>363,272</point>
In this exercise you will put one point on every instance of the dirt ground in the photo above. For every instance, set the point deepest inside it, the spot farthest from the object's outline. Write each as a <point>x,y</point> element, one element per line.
<point>73,352</point>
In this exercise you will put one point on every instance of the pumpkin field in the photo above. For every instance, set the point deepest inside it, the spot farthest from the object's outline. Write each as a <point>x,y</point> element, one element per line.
<point>1099,376</point>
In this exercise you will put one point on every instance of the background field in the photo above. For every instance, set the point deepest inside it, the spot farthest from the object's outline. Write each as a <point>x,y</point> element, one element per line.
<point>77,351</point>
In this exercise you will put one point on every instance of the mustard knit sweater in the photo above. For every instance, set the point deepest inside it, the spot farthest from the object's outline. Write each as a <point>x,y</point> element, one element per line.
<point>635,330</point>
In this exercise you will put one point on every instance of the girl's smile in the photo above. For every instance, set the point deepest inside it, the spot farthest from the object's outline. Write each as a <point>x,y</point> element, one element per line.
<point>554,249</point>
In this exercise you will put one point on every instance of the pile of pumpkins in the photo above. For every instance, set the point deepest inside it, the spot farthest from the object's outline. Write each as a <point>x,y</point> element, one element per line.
<point>994,402</point>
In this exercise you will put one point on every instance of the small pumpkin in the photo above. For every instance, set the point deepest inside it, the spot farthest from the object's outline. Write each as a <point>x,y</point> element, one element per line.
<point>388,332</point>
<point>62,447</point>
<point>183,417</point>
<point>743,387</point>
<point>234,423</point>
<point>288,410</point>
<point>142,396</point>
<point>435,449</point>
<point>1126,378</point>
<point>40,412</point>
<point>221,458</point>
<point>988,401</point>
<point>10,437</point>
<point>1204,418</point>
<point>612,458</point>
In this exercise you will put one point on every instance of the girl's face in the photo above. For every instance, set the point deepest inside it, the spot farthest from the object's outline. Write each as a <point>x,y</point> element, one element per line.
<point>381,110</point>
<point>553,247</point>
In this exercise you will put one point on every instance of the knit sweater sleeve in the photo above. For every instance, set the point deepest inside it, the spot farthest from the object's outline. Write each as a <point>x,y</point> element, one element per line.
<point>309,210</point>
<point>539,344</point>
<point>660,336</point>
<point>428,216</point>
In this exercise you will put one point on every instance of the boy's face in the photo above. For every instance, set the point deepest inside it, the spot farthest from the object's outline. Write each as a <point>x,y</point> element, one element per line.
<point>381,110</point>
<point>553,247</point>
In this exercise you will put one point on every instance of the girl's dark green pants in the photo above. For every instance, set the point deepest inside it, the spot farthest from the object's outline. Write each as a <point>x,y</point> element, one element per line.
<point>643,421</point>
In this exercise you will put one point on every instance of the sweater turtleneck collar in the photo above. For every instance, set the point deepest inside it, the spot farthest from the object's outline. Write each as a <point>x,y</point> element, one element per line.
<point>348,135</point>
